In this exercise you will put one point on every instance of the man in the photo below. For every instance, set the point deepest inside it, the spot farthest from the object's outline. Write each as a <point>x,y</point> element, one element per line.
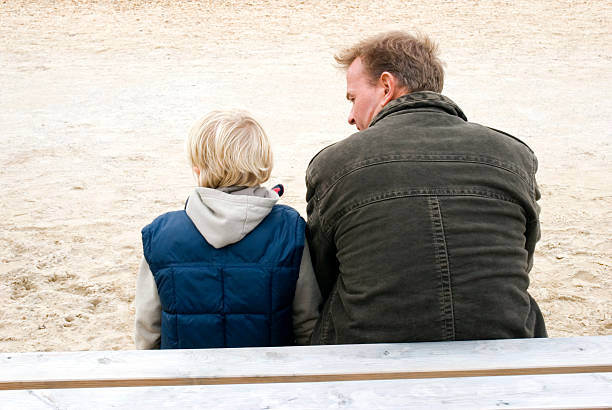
<point>422,226</point>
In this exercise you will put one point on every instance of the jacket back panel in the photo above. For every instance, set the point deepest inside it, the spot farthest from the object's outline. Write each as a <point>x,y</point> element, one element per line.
<point>236,296</point>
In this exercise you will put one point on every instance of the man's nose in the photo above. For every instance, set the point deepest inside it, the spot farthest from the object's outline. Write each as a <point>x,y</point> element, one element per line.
<point>351,118</point>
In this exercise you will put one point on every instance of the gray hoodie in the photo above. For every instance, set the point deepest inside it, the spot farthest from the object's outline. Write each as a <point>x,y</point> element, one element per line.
<point>225,216</point>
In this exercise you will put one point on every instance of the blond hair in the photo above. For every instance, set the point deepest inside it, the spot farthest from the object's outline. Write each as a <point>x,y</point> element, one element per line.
<point>230,148</point>
<point>413,60</point>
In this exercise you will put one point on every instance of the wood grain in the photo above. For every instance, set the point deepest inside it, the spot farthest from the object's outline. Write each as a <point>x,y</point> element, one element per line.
<point>57,370</point>
<point>569,391</point>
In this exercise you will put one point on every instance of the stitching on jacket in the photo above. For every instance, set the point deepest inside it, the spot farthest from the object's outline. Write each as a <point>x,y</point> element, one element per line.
<point>464,158</point>
<point>385,196</point>
<point>441,254</point>
<point>512,136</point>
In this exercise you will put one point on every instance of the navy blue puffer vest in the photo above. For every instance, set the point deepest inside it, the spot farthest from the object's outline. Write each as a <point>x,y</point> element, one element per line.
<point>236,296</point>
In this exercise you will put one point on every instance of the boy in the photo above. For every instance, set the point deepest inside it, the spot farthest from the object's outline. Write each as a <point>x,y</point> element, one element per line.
<point>233,269</point>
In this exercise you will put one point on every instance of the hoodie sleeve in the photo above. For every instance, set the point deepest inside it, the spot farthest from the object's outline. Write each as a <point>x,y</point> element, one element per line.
<point>147,326</point>
<point>306,301</point>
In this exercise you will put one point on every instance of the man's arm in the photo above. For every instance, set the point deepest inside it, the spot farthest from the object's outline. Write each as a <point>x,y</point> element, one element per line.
<point>307,300</point>
<point>322,248</point>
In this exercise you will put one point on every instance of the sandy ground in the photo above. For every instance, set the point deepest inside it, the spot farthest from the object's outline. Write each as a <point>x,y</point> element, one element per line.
<point>96,99</point>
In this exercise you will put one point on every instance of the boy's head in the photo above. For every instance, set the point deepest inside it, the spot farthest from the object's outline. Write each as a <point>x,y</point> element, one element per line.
<point>229,148</point>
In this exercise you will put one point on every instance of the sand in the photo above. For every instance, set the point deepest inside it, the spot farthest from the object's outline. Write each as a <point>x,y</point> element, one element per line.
<point>96,99</point>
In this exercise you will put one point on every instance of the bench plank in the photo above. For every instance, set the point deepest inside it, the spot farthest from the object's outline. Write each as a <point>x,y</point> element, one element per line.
<point>305,364</point>
<point>508,392</point>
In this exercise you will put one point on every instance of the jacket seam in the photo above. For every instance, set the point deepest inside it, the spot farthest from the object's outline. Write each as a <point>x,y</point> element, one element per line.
<point>425,158</point>
<point>512,136</point>
<point>443,264</point>
<point>414,193</point>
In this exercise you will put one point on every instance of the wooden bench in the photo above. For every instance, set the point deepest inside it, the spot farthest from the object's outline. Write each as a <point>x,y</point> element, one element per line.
<point>526,373</point>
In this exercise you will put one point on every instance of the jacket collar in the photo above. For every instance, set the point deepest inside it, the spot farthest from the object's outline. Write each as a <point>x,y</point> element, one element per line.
<point>418,101</point>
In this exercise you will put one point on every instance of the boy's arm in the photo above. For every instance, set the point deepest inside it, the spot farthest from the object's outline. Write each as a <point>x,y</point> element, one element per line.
<point>307,300</point>
<point>147,325</point>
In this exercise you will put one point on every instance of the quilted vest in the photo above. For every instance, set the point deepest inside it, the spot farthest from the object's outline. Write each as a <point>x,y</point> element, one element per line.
<point>236,296</point>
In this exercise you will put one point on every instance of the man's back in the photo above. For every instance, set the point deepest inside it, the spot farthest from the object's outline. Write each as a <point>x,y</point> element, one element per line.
<point>422,227</point>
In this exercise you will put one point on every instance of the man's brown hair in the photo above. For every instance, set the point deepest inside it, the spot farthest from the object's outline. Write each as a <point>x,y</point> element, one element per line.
<point>413,60</point>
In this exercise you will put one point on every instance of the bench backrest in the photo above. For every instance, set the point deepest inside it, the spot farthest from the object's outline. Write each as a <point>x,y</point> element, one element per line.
<point>525,373</point>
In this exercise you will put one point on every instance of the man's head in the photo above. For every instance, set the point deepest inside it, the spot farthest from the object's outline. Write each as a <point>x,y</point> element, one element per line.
<point>229,148</point>
<point>385,67</point>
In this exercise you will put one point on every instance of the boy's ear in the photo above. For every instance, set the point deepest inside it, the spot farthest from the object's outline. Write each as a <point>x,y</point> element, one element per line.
<point>196,170</point>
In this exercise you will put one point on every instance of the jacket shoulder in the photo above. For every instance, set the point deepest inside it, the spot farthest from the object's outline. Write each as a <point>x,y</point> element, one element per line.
<point>327,161</point>
<point>288,214</point>
<point>321,153</point>
<point>511,136</point>
<point>165,219</point>
<point>286,209</point>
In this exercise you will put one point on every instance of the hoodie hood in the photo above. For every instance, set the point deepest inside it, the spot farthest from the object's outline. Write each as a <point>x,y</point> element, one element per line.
<point>224,216</point>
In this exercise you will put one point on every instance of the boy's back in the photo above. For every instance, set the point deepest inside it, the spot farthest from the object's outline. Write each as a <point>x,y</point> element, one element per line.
<point>234,296</point>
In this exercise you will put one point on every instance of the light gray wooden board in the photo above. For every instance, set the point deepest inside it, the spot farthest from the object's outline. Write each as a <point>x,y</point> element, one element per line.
<point>312,363</point>
<point>509,392</point>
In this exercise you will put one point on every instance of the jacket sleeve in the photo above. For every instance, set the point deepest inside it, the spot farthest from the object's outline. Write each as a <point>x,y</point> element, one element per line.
<point>307,300</point>
<point>147,326</point>
<point>533,232</point>
<point>322,249</point>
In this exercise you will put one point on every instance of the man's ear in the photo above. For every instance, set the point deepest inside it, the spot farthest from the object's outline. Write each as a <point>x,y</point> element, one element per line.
<point>391,87</point>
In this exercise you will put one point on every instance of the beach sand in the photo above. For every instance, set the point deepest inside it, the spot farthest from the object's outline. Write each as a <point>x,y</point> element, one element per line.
<point>96,99</point>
